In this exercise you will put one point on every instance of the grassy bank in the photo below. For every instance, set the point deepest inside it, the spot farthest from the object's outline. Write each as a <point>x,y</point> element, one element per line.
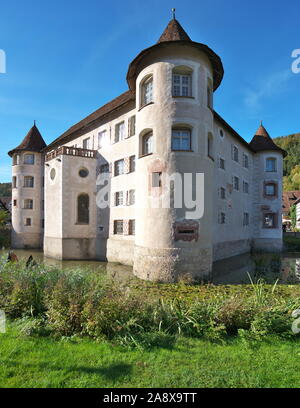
<point>80,362</point>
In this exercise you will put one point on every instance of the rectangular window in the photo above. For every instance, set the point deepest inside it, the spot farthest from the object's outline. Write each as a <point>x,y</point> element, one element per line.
<point>28,222</point>
<point>246,219</point>
<point>102,139</point>
<point>222,193</point>
<point>222,218</point>
<point>147,144</point>
<point>119,167</point>
<point>245,187</point>
<point>119,198</point>
<point>245,161</point>
<point>131,164</point>
<point>156,179</point>
<point>118,227</point>
<point>236,183</point>
<point>131,126</point>
<point>86,144</point>
<point>14,182</point>
<point>120,132</point>
<point>131,197</point>
<point>182,85</point>
<point>270,189</point>
<point>235,153</point>
<point>28,204</point>
<point>209,98</point>
<point>147,91</point>
<point>131,227</point>
<point>181,139</point>
<point>29,159</point>
<point>222,163</point>
<point>104,168</point>
<point>15,203</point>
<point>269,220</point>
<point>271,164</point>
<point>28,181</point>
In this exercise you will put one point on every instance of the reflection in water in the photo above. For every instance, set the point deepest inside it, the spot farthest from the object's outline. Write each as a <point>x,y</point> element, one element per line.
<point>235,270</point>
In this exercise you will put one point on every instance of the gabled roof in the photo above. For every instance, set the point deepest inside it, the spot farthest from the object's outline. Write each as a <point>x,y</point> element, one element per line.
<point>262,141</point>
<point>290,198</point>
<point>106,109</point>
<point>174,32</point>
<point>33,142</point>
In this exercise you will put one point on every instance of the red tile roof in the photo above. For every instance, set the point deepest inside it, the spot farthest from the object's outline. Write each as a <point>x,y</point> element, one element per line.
<point>174,32</point>
<point>33,142</point>
<point>288,199</point>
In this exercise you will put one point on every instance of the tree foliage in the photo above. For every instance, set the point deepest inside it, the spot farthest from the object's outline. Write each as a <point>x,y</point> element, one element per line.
<point>5,189</point>
<point>291,163</point>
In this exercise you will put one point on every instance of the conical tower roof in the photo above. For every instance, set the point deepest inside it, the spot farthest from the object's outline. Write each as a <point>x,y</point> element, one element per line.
<point>174,32</point>
<point>33,142</point>
<point>262,141</point>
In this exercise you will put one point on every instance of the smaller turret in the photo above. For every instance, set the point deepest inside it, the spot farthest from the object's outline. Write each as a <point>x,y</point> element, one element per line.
<point>27,191</point>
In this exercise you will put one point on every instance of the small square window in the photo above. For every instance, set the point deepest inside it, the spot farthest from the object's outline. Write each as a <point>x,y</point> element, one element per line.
<point>29,159</point>
<point>28,222</point>
<point>119,167</point>
<point>270,189</point>
<point>181,139</point>
<point>118,227</point>
<point>222,193</point>
<point>119,198</point>
<point>222,163</point>
<point>269,220</point>
<point>28,204</point>
<point>236,183</point>
<point>271,164</point>
<point>28,181</point>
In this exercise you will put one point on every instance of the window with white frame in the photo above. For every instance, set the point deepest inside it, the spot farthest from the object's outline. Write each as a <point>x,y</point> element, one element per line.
<point>245,160</point>
<point>28,204</point>
<point>119,167</point>
<point>181,139</point>
<point>236,183</point>
<point>131,126</point>
<point>147,144</point>
<point>182,84</point>
<point>147,91</point>
<point>235,153</point>
<point>28,158</point>
<point>271,164</point>
<point>120,132</point>
<point>29,181</point>
<point>118,198</point>
<point>102,139</point>
<point>131,197</point>
<point>86,144</point>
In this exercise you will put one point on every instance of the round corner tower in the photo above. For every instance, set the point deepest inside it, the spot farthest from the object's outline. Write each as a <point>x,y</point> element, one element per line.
<point>174,81</point>
<point>27,191</point>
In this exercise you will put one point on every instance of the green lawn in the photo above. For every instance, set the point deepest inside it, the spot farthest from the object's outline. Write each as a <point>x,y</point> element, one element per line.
<point>44,362</point>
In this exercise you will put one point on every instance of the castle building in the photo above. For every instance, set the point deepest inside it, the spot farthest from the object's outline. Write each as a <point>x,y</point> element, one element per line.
<point>164,125</point>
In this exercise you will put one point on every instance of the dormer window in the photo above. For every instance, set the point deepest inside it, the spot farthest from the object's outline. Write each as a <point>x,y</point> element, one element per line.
<point>147,91</point>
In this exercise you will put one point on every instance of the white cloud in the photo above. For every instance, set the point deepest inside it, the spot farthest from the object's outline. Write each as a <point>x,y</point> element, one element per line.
<point>274,85</point>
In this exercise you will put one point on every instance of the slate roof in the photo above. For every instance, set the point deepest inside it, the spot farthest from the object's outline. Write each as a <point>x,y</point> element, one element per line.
<point>33,142</point>
<point>262,141</point>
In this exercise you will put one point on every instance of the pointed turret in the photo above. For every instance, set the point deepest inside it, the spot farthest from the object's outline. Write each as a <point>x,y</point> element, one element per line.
<point>33,142</point>
<point>174,32</point>
<point>262,141</point>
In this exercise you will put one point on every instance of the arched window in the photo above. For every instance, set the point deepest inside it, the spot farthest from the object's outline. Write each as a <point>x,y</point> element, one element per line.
<point>182,81</point>
<point>147,91</point>
<point>147,143</point>
<point>83,209</point>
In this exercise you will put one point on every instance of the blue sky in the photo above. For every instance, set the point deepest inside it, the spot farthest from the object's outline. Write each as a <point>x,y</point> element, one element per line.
<point>67,58</point>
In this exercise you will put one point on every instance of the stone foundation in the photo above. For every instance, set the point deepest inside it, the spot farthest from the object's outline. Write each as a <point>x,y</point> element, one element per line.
<point>267,244</point>
<point>172,264</point>
<point>26,241</point>
<point>70,248</point>
<point>120,251</point>
<point>228,249</point>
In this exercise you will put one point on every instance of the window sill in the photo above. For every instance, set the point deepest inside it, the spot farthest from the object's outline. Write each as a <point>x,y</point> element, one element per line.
<point>147,104</point>
<point>81,223</point>
<point>145,155</point>
<point>181,96</point>
<point>182,150</point>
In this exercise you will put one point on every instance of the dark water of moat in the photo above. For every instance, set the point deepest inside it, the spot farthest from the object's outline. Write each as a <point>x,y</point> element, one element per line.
<point>270,267</point>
